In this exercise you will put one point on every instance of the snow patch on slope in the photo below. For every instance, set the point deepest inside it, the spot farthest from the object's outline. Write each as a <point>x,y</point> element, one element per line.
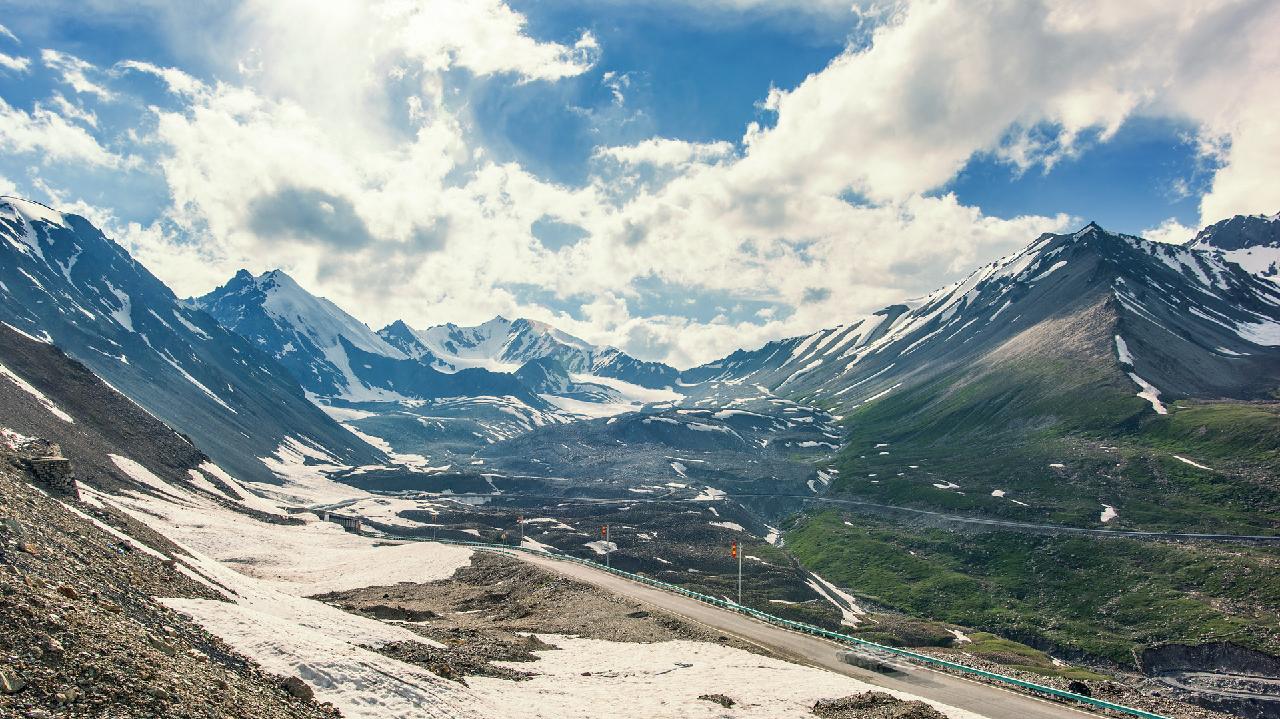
<point>850,612</point>
<point>1122,351</point>
<point>1149,393</point>
<point>37,394</point>
<point>663,679</point>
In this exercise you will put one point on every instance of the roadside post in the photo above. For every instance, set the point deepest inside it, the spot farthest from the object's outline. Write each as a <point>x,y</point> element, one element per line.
<point>737,554</point>
<point>520,521</point>
<point>604,532</point>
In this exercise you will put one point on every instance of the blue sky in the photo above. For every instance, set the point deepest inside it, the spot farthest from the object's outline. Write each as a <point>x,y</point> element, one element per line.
<point>678,178</point>
<point>1148,172</point>
<point>698,80</point>
<point>703,81</point>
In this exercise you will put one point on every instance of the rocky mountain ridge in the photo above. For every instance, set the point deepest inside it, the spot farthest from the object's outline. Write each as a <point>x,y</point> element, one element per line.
<point>62,280</point>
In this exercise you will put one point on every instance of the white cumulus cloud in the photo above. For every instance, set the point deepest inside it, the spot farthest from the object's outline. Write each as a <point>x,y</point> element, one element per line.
<point>334,145</point>
<point>75,73</point>
<point>50,137</point>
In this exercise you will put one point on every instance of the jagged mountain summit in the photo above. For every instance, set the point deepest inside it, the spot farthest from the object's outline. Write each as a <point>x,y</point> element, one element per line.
<point>1188,322</point>
<point>437,393</point>
<point>332,354</point>
<point>307,334</point>
<point>63,281</point>
<point>1251,241</point>
<point>1058,384</point>
<point>505,345</point>
<point>1090,332</point>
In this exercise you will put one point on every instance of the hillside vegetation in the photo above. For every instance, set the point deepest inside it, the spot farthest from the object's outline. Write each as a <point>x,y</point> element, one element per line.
<point>1101,597</point>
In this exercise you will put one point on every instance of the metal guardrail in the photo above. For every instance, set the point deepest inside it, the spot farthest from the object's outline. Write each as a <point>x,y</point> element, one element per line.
<point>805,628</point>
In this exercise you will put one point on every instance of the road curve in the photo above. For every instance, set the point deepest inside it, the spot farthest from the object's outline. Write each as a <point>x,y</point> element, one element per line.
<point>982,699</point>
<point>1030,527</point>
<point>1027,526</point>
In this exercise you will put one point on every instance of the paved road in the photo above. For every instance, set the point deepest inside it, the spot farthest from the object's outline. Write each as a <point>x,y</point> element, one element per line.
<point>942,516</point>
<point>982,699</point>
<point>1043,528</point>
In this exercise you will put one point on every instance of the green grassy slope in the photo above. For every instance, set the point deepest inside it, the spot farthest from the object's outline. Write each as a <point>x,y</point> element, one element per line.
<point>1102,597</point>
<point>1052,422</point>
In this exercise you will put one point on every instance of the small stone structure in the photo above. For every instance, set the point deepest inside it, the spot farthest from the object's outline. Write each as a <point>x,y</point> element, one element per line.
<point>56,473</point>
<point>43,460</point>
<point>349,523</point>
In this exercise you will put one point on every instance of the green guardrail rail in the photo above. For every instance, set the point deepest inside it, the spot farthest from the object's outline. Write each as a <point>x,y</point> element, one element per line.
<point>801,626</point>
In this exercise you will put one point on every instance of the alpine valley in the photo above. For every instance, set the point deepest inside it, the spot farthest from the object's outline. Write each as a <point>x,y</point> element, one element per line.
<point>1062,467</point>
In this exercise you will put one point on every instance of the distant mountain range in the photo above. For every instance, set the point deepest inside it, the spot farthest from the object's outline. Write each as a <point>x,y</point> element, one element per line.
<point>439,392</point>
<point>329,351</point>
<point>1060,384</point>
<point>332,354</point>
<point>1088,332</point>
<point>1251,241</point>
<point>1187,321</point>
<point>504,345</point>
<point>62,281</point>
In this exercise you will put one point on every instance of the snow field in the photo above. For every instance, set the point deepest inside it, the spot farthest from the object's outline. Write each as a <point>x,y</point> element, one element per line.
<point>270,569</point>
<point>644,681</point>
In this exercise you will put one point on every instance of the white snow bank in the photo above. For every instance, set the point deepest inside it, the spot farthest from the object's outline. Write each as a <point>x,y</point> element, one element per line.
<point>89,496</point>
<point>728,525</point>
<point>590,678</point>
<point>1005,495</point>
<point>1054,268</point>
<point>535,545</point>
<point>313,558</point>
<point>413,462</point>
<point>143,476</point>
<point>387,510</point>
<point>631,393</point>
<point>1149,393</point>
<point>590,410</point>
<point>340,414</point>
<point>710,494</point>
<point>602,547</point>
<point>850,612</point>
<point>1122,351</point>
<point>1265,333</point>
<point>303,483</point>
<point>270,568</point>
<point>551,521</point>
<point>1108,513</point>
<point>1197,465</point>
<point>323,650</point>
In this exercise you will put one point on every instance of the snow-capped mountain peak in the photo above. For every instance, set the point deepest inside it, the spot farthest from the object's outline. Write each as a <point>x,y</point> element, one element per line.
<point>505,345</point>
<point>31,211</point>
<point>310,335</point>
<point>1251,241</point>
<point>1193,324</point>
<point>62,280</point>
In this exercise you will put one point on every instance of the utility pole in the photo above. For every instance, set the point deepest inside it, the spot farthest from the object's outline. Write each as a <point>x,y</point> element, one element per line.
<point>737,553</point>
<point>604,532</point>
<point>520,521</point>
